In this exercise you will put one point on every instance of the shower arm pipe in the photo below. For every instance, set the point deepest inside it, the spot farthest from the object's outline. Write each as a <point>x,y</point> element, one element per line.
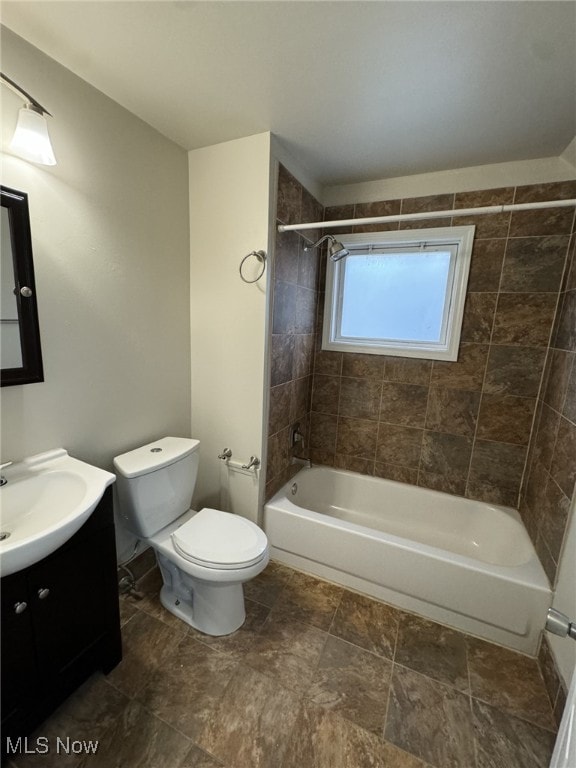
<point>483,211</point>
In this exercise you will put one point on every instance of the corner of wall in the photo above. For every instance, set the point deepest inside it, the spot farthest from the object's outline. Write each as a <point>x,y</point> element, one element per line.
<point>569,156</point>
<point>282,155</point>
<point>229,218</point>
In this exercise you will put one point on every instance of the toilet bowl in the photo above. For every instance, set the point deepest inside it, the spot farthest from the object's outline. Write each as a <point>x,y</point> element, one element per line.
<point>204,556</point>
<point>207,594</point>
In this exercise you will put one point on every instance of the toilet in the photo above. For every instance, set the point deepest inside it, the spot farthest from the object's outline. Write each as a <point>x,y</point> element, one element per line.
<point>204,556</point>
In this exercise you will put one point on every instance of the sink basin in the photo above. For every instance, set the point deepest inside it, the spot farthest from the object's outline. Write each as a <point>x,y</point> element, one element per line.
<point>47,498</point>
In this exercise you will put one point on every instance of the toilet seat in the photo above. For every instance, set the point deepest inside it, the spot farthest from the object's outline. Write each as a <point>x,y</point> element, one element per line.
<point>216,539</point>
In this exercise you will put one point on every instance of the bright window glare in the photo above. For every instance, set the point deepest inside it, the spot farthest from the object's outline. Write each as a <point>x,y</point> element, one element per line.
<point>395,296</point>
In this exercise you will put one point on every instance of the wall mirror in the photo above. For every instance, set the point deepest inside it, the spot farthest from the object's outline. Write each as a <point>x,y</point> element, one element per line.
<point>20,353</point>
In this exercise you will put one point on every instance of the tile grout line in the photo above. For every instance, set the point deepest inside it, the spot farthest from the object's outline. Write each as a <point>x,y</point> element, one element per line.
<point>419,470</point>
<point>489,345</point>
<point>136,700</point>
<point>390,686</point>
<point>517,716</point>
<point>470,698</point>
<point>541,390</point>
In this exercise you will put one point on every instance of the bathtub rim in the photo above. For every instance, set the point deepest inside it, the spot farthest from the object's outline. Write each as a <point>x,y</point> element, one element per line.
<point>532,572</point>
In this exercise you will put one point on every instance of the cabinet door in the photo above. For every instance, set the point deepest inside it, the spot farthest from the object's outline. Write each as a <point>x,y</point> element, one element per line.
<point>19,670</point>
<point>69,602</point>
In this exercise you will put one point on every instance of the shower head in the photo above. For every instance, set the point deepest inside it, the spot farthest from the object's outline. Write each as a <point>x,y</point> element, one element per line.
<point>336,250</point>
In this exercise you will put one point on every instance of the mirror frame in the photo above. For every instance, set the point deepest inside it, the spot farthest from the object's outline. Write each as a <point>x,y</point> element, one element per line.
<point>19,221</point>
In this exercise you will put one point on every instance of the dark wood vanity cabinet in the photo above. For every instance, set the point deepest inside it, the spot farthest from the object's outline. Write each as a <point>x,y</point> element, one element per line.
<point>60,623</point>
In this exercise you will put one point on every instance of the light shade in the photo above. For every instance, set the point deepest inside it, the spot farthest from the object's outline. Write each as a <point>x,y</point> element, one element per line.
<point>31,140</point>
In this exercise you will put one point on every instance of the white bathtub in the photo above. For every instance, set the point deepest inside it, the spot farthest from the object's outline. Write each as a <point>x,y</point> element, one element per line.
<point>463,563</point>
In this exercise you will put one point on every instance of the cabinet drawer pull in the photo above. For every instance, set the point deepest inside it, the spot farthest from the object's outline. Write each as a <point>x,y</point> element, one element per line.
<point>43,593</point>
<point>20,607</point>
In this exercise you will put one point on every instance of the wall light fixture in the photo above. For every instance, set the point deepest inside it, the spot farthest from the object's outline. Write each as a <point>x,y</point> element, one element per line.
<point>31,140</point>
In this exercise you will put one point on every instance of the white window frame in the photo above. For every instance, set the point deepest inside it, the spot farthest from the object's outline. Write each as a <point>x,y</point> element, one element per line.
<point>458,239</point>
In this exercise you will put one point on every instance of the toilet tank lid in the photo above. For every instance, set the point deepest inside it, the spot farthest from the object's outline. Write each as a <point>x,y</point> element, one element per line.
<point>154,456</point>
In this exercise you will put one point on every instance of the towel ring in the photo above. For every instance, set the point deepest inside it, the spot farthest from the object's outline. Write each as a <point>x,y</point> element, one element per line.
<point>261,256</point>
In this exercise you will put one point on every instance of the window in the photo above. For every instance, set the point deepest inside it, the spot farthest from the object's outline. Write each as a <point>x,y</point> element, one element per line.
<point>399,293</point>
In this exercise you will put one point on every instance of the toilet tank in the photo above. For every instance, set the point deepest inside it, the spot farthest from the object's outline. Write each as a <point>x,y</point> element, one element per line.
<point>155,483</point>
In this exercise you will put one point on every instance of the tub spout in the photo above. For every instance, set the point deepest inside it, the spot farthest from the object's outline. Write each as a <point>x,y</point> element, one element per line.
<point>303,462</point>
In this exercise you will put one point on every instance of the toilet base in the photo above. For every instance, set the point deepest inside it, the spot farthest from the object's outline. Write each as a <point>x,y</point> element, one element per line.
<point>213,609</point>
<point>210,600</point>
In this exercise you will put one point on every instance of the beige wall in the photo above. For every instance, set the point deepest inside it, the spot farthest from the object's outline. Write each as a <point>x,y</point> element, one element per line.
<point>229,217</point>
<point>110,239</point>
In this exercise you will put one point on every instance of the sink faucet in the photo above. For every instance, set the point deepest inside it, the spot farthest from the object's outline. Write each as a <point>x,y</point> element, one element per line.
<point>3,480</point>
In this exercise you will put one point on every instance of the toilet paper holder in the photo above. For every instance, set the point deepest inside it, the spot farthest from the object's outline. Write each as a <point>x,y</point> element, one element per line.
<point>226,455</point>
<point>254,463</point>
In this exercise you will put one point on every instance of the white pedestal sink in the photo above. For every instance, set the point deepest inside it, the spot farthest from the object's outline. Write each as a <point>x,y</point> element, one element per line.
<point>46,499</point>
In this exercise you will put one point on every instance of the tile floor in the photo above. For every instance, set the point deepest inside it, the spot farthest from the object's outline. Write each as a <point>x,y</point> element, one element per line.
<point>318,677</point>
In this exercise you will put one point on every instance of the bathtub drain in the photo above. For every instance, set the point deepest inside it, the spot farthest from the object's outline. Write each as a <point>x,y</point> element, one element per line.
<point>4,535</point>
<point>293,489</point>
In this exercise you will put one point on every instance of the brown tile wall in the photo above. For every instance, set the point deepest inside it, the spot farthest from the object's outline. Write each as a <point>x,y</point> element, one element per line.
<point>499,421</point>
<point>555,686</point>
<point>504,413</point>
<point>464,427</point>
<point>294,308</point>
<point>549,483</point>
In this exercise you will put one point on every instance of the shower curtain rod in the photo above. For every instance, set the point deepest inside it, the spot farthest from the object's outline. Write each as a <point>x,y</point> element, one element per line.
<point>430,215</point>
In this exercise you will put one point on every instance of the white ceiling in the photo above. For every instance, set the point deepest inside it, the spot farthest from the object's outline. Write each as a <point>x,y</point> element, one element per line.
<point>357,90</point>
